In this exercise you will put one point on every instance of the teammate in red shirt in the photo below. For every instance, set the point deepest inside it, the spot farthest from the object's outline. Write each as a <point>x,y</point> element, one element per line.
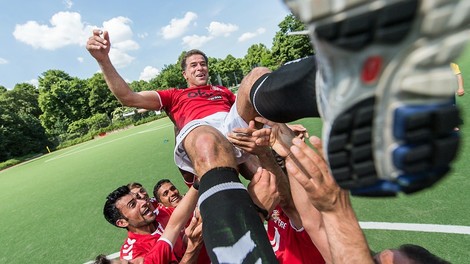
<point>124,210</point>
<point>290,244</point>
<point>203,115</point>
<point>169,197</point>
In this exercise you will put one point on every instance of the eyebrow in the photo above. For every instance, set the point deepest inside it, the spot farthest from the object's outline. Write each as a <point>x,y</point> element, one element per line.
<point>129,204</point>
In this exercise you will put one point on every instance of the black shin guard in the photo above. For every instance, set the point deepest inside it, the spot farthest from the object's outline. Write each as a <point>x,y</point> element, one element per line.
<point>232,229</point>
<point>288,93</point>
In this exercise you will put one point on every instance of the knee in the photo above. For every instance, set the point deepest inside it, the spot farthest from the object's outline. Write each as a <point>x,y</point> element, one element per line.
<point>206,140</point>
<point>257,72</point>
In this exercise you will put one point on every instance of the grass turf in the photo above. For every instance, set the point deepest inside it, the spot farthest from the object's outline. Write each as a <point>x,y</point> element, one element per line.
<point>51,210</point>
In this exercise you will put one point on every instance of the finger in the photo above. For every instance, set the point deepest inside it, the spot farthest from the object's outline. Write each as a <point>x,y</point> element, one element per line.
<point>97,32</point>
<point>252,125</point>
<point>243,130</point>
<point>305,158</point>
<point>257,177</point>
<point>320,158</point>
<point>264,121</point>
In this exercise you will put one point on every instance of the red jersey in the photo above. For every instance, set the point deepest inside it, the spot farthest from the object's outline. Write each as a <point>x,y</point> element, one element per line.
<point>291,246</point>
<point>161,253</point>
<point>203,256</point>
<point>138,245</point>
<point>185,105</point>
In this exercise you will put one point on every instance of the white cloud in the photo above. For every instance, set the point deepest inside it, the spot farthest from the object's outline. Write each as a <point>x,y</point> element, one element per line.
<point>34,82</point>
<point>3,61</point>
<point>195,41</point>
<point>80,59</point>
<point>143,35</point>
<point>68,3</point>
<point>120,34</point>
<point>177,27</point>
<point>149,73</point>
<point>249,35</point>
<point>66,29</point>
<point>120,58</point>
<point>221,29</point>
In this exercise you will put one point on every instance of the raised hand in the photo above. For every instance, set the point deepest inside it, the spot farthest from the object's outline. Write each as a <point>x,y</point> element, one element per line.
<point>99,45</point>
<point>311,170</point>
<point>263,190</point>
<point>251,142</point>
<point>280,137</point>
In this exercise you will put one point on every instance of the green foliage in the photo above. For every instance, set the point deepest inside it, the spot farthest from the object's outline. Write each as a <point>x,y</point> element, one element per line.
<point>170,77</point>
<point>290,47</point>
<point>68,109</point>
<point>101,100</point>
<point>21,132</point>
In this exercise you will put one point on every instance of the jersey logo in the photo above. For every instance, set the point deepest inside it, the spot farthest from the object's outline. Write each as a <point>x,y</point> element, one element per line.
<point>276,240</point>
<point>237,253</point>
<point>127,250</point>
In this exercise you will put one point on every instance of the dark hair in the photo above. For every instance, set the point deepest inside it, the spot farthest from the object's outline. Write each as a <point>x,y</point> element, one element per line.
<point>110,212</point>
<point>420,255</point>
<point>191,53</point>
<point>101,259</point>
<point>133,185</point>
<point>157,187</point>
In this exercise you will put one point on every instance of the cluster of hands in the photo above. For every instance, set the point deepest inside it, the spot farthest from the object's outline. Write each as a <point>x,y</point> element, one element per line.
<point>304,163</point>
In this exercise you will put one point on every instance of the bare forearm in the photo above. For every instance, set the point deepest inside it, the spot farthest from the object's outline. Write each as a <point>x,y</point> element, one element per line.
<point>346,239</point>
<point>181,215</point>
<point>311,219</point>
<point>192,253</point>
<point>115,82</point>
<point>269,163</point>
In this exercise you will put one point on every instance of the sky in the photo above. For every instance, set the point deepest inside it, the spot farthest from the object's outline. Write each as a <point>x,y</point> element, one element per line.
<point>146,35</point>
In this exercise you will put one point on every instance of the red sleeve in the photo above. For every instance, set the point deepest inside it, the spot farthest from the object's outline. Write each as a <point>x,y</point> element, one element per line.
<point>160,253</point>
<point>165,96</point>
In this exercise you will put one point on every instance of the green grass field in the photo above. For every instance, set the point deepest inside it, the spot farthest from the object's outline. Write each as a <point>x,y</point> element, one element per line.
<point>51,209</point>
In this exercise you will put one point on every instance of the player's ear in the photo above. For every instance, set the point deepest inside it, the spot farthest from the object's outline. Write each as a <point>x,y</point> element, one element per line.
<point>122,223</point>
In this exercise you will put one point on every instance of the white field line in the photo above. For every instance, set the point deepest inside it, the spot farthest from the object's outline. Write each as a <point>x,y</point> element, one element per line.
<point>108,142</point>
<point>450,229</point>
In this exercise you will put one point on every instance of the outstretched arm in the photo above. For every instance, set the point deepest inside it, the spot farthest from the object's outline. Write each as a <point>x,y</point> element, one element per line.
<point>181,215</point>
<point>346,240</point>
<point>99,46</point>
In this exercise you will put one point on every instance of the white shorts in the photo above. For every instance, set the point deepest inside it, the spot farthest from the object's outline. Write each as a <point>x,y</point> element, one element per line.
<point>224,122</point>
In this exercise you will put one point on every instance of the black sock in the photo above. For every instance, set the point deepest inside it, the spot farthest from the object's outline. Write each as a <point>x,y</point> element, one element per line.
<point>288,93</point>
<point>232,229</point>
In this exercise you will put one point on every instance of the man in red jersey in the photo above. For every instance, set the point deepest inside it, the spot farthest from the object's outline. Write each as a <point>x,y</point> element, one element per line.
<point>295,237</point>
<point>168,197</point>
<point>123,209</point>
<point>203,114</point>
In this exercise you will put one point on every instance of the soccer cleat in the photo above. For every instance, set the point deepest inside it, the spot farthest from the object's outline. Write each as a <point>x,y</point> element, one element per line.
<point>385,88</point>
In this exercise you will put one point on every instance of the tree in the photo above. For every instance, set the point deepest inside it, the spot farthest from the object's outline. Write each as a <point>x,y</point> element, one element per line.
<point>141,85</point>
<point>257,55</point>
<point>290,47</point>
<point>63,100</point>
<point>169,77</point>
<point>101,99</point>
<point>21,132</point>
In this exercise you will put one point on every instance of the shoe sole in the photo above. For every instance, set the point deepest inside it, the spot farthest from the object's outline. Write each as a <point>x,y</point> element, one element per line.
<point>391,128</point>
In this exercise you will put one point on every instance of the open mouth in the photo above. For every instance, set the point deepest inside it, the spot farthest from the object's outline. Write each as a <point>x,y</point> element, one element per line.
<point>147,211</point>
<point>174,199</point>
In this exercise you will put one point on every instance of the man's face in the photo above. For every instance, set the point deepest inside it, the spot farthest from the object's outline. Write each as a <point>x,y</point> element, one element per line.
<point>140,193</point>
<point>196,72</point>
<point>137,212</point>
<point>169,195</point>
